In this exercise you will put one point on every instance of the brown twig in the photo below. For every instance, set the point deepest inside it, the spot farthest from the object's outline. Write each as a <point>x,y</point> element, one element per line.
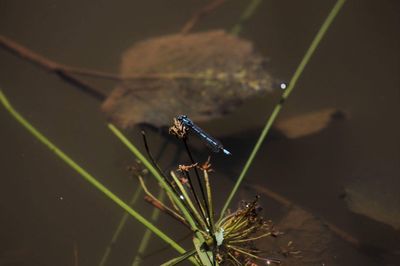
<point>157,204</point>
<point>64,72</point>
<point>200,14</point>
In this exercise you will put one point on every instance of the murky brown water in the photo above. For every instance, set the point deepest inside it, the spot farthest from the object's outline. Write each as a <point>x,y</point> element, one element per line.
<point>46,209</point>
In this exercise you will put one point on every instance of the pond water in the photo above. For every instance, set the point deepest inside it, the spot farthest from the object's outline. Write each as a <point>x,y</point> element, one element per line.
<point>51,216</point>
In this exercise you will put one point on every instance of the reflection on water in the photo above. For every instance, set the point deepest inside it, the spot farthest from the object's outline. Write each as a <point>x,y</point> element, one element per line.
<point>47,210</point>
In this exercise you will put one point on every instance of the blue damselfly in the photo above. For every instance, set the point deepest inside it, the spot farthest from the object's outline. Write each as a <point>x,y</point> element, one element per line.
<point>214,144</point>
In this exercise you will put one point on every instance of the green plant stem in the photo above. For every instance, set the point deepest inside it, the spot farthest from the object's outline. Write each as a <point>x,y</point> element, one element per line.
<point>121,224</point>
<point>246,15</point>
<point>119,228</point>
<point>159,178</point>
<point>88,177</point>
<point>147,235</point>
<point>182,190</point>
<point>177,260</point>
<point>328,21</point>
<point>155,173</point>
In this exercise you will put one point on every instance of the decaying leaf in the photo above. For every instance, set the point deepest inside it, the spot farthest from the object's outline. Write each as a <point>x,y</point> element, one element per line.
<point>306,124</point>
<point>203,75</point>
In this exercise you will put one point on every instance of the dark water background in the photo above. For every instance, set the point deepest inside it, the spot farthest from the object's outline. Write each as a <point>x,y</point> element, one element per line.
<point>46,208</point>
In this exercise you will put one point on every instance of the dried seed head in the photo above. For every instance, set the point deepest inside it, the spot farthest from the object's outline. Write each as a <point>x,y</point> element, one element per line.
<point>178,129</point>
<point>184,181</point>
<point>186,168</point>
<point>206,166</point>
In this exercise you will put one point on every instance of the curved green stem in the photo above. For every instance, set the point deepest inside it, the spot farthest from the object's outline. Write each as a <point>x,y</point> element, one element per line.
<point>328,21</point>
<point>87,176</point>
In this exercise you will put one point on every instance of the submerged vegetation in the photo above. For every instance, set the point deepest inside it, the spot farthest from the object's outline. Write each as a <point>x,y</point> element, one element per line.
<point>231,238</point>
<point>203,75</point>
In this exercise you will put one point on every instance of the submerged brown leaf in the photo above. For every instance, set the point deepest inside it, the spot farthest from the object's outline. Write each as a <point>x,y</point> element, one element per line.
<point>306,124</point>
<point>203,75</point>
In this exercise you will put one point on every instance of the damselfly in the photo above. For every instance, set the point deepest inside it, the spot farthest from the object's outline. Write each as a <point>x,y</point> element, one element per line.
<point>214,144</point>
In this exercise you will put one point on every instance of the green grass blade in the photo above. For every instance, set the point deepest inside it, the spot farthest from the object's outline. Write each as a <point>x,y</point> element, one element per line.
<point>119,228</point>
<point>206,257</point>
<point>328,21</point>
<point>180,259</point>
<point>88,177</point>
<point>147,235</point>
<point>209,198</point>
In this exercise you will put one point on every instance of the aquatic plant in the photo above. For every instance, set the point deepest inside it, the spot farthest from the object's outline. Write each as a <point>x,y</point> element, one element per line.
<point>228,239</point>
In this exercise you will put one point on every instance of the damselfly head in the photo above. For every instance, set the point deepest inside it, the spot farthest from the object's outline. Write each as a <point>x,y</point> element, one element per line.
<point>183,123</point>
<point>184,119</point>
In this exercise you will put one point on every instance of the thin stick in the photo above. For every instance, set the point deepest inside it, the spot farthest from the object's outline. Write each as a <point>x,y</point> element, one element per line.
<point>200,14</point>
<point>50,65</point>
<point>196,198</point>
<point>247,253</point>
<point>203,194</point>
<point>328,21</point>
<point>234,259</point>
<point>87,176</point>
<point>64,72</point>
<point>156,204</point>
<point>150,198</point>
<point>250,239</point>
<point>247,14</point>
<point>155,165</point>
